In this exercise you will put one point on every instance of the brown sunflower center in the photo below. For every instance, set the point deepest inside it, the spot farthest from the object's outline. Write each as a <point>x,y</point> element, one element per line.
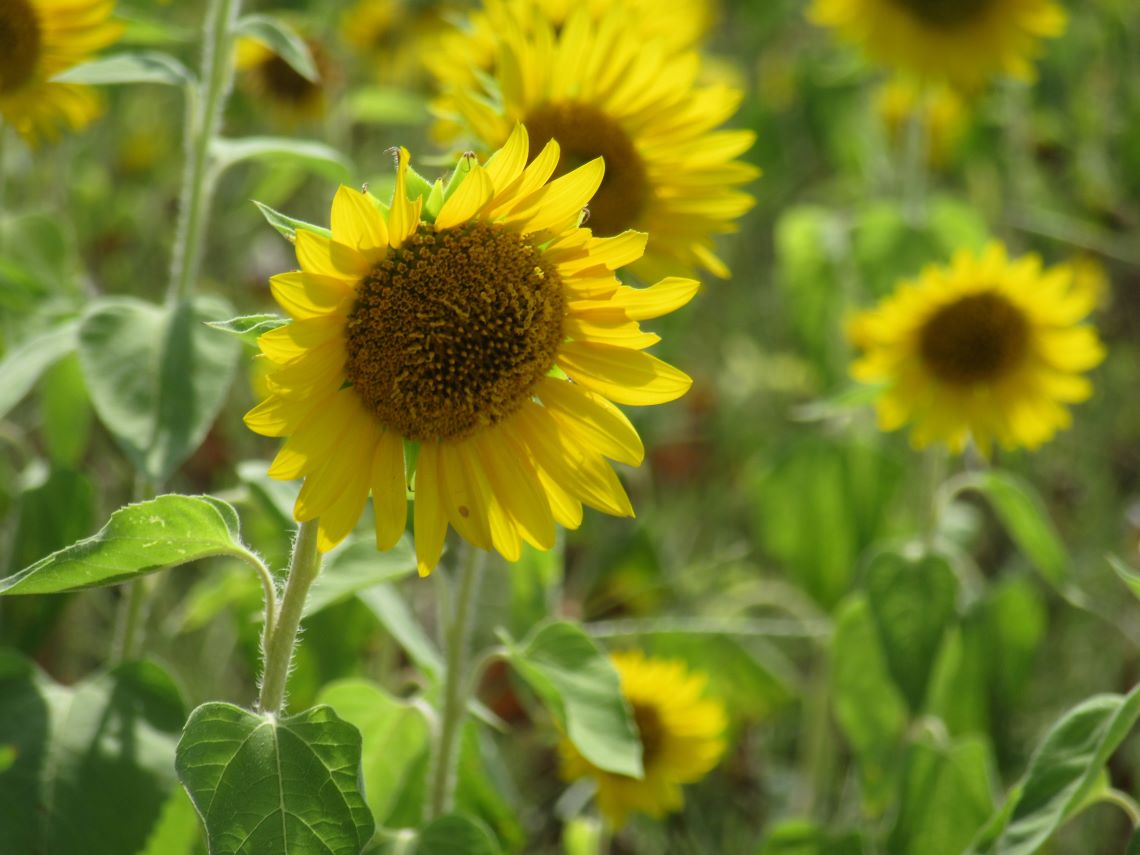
<point>584,132</point>
<point>652,731</point>
<point>945,13</point>
<point>19,43</point>
<point>976,339</point>
<point>283,83</point>
<point>451,332</point>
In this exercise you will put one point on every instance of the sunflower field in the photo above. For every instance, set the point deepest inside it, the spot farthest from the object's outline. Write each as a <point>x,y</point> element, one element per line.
<point>535,427</point>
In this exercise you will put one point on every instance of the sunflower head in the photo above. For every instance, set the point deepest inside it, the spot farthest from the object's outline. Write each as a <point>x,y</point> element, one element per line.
<point>682,738</point>
<point>40,40</point>
<point>962,42</point>
<point>988,348</point>
<point>476,328</point>
<point>593,84</point>
<point>290,95</point>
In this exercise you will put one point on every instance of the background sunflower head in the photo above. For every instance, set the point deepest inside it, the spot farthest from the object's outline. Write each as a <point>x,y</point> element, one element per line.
<point>962,42</point>
<point>39,40</point>
<point>682,738</point>
<point>988,348</point>
<point>599,88</point>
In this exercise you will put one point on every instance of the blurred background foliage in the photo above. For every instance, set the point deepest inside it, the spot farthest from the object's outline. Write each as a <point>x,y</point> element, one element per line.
<point>873,697</point>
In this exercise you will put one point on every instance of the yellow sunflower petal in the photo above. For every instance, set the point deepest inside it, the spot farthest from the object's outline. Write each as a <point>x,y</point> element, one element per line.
<point>430,518</point>
<point>307,295</point>
<point>389,490</point>
<point>357,223</point>
<point>469,198</point>
<point>607,428</point>
<point>624,376</point>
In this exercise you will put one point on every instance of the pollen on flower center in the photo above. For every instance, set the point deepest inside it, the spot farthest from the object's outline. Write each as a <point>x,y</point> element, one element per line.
<point>452,331</point>
<point>20,36</point>
<point>651,729</point>
<point>945,13</point>
<point>976,339</point>
<point>584,132</point>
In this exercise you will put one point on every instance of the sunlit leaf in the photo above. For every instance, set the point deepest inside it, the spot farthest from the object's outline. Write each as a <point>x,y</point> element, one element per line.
<point>946,796</point>
<point>316,156</point>
<point>283,40</point>
<point>139,539</point>
<point>22,367</point>
<point>913,602</point>
<point>394,738</point>
<point>456,835</point>
<point>804,837</point>
<point>356,567</point>
<point>157,376</point>
<point>140,67</point>
<point>268,784</point>
<point>580,687</point>
<point>1067,764</point>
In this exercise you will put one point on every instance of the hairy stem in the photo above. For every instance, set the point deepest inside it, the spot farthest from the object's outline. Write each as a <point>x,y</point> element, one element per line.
<point>204,107</point>
<point>281,640</point>
<point>457,632</point>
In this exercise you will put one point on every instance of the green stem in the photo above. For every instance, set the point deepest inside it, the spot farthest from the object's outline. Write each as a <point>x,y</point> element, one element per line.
<point>3,182</point>
<point>1125,802</point>
<point>132,616</point>
<point>282,639</point>
<point>204,107</point>
<point>934,474</point>
<point>916,155</point>
<point>453,709</point>
<point>817,756</point>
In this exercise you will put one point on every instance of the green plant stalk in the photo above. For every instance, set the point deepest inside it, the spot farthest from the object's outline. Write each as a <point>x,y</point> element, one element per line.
<point>453,705</point>
<point>204,105</point>
<point>131,617</point>
<point>281,635</point>
<point>915,156</point>
<point>1123,801</point>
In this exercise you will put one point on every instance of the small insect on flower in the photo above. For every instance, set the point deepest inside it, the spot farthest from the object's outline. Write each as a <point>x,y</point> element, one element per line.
<point>989,348</point>
<point>682,738</point>
<point>473,328</point>
<point>40,39</point>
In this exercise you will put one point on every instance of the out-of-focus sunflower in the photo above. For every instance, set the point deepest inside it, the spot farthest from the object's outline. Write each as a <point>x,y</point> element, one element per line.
<point>291,96</point>
<point>481,324</point>
<point>962,42</point>
<point>682,738</point>
<point>462,56</point>
<point>988,348</point>
<point>940,108</point>
<point>394,36</point>
<point>38,40</point>
<point>600,90</point>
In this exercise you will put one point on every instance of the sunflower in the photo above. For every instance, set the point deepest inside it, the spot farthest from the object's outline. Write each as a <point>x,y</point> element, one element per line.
<point>477,329</point>
<point>601,90</point>
<point>43,38</point>
<point>963,42</point>
<point>989,348</point>
<point>682,738</point>
<point>292,96</point>
<point>395,35</point>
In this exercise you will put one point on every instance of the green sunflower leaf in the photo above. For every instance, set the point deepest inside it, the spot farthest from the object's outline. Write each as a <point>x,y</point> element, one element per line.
<point>283,40</point>
<point>1064,771</point>
<point>316,156</point>
<point>139,539</point>
<point>1023,514</point>
<point>249,327</point>
<point>134,67</point>
<point>268,784</point>
<point>456,835</point>
<point>23,366</point>
<point>81,753</point>
<point>157,376</point>
<point>287,225</point>
<point>578,684</point>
